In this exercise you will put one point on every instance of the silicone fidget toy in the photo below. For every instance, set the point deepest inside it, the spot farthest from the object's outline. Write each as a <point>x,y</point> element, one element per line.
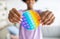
<point>30,20</point>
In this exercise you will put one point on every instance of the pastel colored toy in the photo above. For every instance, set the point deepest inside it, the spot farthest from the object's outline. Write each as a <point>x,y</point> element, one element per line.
<point>13,30</point>
<point>30,20</point>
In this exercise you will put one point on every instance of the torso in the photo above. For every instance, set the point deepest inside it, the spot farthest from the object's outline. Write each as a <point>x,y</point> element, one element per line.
<point>30,34</point>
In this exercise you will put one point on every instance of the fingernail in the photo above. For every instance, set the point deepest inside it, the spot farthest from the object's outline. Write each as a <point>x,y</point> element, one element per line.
<point>20,19</point>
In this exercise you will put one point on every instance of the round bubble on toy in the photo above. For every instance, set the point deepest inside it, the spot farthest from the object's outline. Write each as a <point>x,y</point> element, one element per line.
<point>30,20</point>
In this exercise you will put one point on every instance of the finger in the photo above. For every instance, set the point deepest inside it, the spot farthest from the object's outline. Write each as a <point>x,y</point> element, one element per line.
<point>47,19</point>
<point>19,15</point>
<point>16,12</point>
<point>46,16</point>
<point>15,21</point>
<point>43,13</point>
<point>9,17</point>
<point>12,19</point>
<point>13,15</point>
<point>50,21</point>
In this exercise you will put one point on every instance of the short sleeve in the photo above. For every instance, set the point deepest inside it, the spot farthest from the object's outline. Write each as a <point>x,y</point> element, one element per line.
<point>39,11</point>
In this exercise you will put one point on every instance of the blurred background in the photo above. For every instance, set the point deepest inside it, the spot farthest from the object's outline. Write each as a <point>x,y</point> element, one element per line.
<point>49,32</point>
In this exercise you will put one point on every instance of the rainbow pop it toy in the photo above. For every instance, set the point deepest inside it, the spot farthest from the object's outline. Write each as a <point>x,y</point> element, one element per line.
<point>30,20</point>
